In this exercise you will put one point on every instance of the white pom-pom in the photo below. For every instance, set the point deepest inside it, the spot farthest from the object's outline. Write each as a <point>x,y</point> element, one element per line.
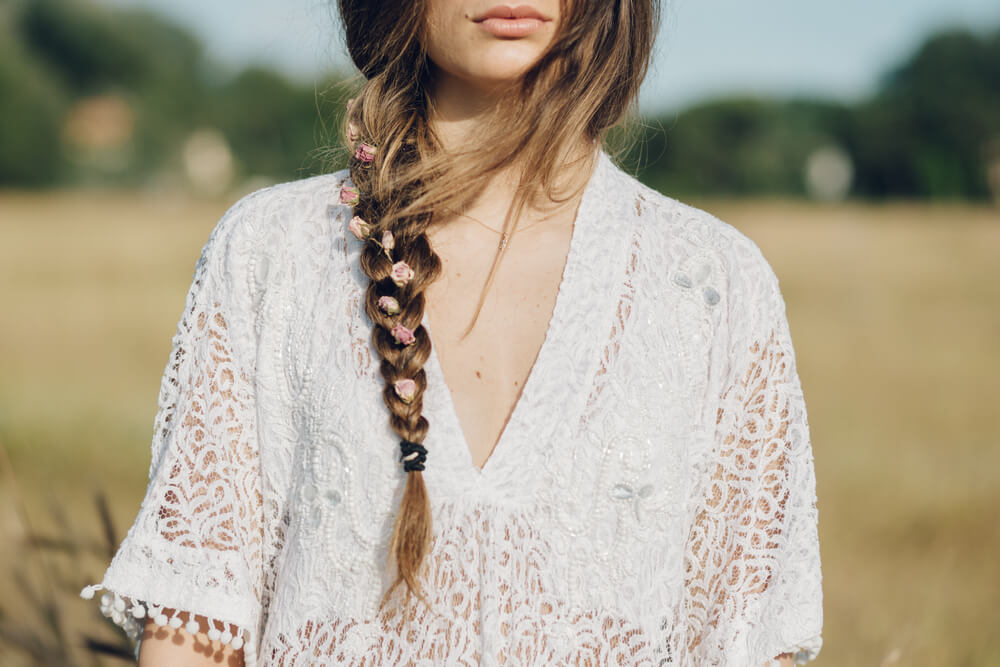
<point>237,642</point>
<point>192,627</point>
<point>138,611</point>
<point>226,637</point>
<point>213,634</point>
<point>88,592</point>
<point>106,600</point>
<point>176,622</point>
<point>161,619</point>
<point>119,603</point>
<point>117,617</point>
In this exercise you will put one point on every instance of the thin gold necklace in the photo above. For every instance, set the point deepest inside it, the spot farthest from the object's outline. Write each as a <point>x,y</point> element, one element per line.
<point>504,236</point>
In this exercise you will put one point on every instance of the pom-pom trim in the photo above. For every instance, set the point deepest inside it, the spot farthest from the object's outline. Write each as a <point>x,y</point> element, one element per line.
<point>130,616</point>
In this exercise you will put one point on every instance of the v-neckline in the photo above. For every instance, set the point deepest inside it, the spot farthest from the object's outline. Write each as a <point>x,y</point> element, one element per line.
<point>436,372</point>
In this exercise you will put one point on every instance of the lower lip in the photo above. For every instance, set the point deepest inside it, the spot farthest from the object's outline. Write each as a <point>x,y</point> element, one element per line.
<point>512,28</point>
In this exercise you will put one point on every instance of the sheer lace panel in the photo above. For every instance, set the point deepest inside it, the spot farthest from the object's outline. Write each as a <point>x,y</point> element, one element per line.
<point>489,606</point>
<point>211,498</point>
<point>743,530</point>
<point>193,556</point>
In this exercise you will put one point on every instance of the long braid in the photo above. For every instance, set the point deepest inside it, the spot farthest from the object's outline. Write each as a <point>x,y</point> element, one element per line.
<point>399,262</point>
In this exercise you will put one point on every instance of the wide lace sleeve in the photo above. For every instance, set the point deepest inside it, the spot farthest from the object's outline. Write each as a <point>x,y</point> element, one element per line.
<point>753,589</point>
<point>196,544</point>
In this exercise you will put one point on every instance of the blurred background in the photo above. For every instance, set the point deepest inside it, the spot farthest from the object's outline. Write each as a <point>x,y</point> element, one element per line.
<point>857,143</point>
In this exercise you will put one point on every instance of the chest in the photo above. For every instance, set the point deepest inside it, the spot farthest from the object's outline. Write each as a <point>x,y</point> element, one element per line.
<point>487,342</point>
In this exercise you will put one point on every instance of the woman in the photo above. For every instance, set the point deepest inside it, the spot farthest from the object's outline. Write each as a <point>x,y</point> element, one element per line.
<point>604,457</point>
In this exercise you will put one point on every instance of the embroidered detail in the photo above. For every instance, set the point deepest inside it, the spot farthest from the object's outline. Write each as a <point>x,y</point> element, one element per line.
<point>709,294</point>
<point>623,491</point>
<point>683,280</point>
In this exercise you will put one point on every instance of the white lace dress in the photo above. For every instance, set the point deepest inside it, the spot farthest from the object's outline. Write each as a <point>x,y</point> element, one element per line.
<point>650,502</point>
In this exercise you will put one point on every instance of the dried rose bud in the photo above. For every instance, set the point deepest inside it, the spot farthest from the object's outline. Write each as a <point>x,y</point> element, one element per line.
<point>406,389</point>
<point>403,335</point>
<point>389,305</point>
<point>359,228</point>
<point>401,273</point>
<point>349,194</point>
<point>365,152</point>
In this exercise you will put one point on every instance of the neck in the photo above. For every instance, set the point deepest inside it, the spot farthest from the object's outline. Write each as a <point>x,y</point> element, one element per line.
<point>460,110</point>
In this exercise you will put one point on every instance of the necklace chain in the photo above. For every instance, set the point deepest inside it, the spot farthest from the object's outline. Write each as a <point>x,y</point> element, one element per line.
<point>504,236</point>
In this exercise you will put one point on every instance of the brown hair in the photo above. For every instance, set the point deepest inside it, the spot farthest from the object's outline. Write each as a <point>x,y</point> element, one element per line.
<point>584,84</point>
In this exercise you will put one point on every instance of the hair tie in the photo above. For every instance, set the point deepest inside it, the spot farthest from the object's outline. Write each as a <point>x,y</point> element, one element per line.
<point>413,455</point>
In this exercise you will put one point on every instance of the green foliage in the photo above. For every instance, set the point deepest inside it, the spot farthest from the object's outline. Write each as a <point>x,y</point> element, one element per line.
<point>737,147</point>
<point>84,46</point>
<point>31,107</point>
<point>272,124</point>
<point>927,132</point>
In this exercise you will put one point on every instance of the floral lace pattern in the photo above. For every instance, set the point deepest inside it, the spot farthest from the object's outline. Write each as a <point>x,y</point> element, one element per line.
<point>650,502</point>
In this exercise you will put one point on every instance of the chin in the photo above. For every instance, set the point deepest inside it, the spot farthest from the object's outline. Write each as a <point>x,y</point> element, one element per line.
<point>497,65</point>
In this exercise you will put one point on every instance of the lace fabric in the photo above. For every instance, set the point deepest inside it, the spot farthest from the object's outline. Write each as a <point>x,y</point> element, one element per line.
<point>652,501</point>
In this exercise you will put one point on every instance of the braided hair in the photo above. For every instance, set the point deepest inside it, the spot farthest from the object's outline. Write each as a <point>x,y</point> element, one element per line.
<point>398,260</point>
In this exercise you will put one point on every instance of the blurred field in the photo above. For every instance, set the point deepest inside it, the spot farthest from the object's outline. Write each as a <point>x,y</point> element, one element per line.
<point>895,313</point>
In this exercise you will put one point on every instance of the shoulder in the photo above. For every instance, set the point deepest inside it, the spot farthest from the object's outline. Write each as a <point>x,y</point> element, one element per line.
<point>285,207</point>
<point>275,225</point>
<point>693,246</point>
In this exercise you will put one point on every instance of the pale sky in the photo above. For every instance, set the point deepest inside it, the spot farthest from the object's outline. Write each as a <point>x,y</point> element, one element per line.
<point>706,48</point>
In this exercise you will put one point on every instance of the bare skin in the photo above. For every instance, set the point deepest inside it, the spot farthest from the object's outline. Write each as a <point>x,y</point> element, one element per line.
<point>486,370</point>
<point>166,646</point>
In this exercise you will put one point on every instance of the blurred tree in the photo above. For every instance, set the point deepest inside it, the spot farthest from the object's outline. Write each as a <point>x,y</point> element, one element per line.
<point>272,124</point>
<point>157,67</point>
<point>81,43</point>
<point>737,147</point>
<point>31,107</point>
<point>926,133</point>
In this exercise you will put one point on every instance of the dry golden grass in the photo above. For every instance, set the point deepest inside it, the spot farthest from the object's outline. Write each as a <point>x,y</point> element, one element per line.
<point>895,313</point>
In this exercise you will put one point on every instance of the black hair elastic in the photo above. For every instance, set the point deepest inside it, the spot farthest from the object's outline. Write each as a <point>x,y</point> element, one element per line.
<point>413,455</point>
